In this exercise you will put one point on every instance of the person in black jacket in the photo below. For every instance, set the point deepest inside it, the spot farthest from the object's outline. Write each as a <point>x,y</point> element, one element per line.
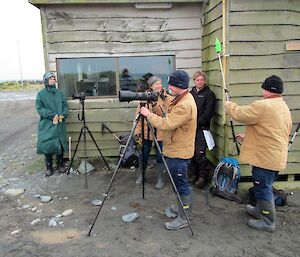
<point>205,100</point>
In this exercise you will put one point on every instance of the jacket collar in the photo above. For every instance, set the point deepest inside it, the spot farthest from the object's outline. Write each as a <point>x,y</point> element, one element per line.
<point>178,98</point>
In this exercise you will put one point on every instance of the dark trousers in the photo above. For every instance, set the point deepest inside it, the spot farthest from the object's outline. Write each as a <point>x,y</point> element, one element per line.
<point>147,150</point>
<point>199,162</point>
<point>263,180</point>
<point>178,169</point>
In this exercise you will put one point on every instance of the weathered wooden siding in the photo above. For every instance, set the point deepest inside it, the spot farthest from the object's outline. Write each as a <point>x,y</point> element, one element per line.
<point>100,30</point>
<point>212,28</point>
<point>256,36</point>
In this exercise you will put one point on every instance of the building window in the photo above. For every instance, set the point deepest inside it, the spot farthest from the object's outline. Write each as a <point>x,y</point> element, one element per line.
<point>105,76</point>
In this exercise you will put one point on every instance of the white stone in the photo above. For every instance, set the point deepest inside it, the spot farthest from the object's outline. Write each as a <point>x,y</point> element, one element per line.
<point>45,198</point>
<point>34,208</point>
<point>114,208</point>
<point>67,212</point>
<point>26,206</point>
<point>130,217</point>
<point>52,223</point>
<point>15,232</point>
<point>14,192</point>
<point>96,202</point>
<point>35,221</point>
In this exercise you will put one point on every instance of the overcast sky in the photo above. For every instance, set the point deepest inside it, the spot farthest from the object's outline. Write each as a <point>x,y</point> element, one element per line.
<point>20,24</point>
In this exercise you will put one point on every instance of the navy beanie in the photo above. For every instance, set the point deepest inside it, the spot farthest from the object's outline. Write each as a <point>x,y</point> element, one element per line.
<point>179,79</point>
<point>273,84</point>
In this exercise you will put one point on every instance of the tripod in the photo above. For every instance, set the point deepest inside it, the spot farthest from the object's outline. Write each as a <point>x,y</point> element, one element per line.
<point>140,116</point>
<point>83,131</point>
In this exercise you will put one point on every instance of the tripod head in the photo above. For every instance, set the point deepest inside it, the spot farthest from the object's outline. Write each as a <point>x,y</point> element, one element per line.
<point>81,98</point>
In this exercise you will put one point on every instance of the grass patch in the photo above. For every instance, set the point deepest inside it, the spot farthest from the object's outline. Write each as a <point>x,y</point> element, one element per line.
<point>17,86</point>
<point>37,165</point>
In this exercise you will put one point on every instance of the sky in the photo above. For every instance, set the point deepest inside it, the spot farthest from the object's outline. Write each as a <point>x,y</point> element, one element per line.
<point>20,26</point>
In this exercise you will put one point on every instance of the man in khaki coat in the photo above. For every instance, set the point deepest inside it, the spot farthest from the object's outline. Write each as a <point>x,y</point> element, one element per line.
<point>179,127</point>
<point>265,146</point>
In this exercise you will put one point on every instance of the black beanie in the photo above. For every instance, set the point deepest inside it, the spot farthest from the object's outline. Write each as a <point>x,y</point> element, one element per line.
<point>179,79</point>
<point>273,84</point>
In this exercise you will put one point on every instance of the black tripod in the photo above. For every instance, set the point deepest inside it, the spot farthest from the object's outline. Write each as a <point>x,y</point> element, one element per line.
<point>140,116</point>
<point>83,131</point>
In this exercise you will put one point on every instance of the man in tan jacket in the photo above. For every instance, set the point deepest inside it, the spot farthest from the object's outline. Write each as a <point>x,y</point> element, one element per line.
<point>265,146</point>
<point>179,127</point>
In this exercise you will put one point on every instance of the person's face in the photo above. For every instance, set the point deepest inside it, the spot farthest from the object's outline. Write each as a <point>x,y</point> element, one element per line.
<point>52,80</point>
<point>199,82</point>
<point>156,87</point>
<point>266,93</point>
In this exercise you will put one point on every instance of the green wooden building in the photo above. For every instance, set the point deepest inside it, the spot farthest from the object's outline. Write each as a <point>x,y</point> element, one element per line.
<point>90,44</point>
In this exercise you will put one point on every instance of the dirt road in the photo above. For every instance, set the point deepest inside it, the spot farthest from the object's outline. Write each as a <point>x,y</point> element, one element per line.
<point>220,227</point>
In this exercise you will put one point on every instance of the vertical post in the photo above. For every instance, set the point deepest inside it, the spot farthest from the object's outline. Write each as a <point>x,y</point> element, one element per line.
<point>20,65</point>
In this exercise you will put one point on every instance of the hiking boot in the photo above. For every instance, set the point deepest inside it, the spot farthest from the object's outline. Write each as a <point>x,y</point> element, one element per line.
<point>192,179</point>
<point>139,179</point>
<point>201,183</point>
<point>253,211</point>
<point>267,220</point>
<point>180,221</point>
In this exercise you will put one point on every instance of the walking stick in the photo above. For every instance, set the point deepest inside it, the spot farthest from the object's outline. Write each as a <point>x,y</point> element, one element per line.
<point>218,48</point>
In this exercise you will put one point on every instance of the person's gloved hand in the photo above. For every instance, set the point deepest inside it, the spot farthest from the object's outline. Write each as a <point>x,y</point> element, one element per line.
<point>138,139</point>
<point>61,117</point>
<point>55,119</point>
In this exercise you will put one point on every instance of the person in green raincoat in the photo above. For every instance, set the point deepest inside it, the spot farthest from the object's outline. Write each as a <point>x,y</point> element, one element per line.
<point>52,108</point>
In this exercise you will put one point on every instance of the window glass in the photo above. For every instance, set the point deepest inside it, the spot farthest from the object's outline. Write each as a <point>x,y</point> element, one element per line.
<point>132,70</point>
<point>93,76</point>
<point>97,76</point>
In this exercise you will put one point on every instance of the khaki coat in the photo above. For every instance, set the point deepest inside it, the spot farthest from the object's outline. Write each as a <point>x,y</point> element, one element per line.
<point>179,127</point>
<point>269,124</point>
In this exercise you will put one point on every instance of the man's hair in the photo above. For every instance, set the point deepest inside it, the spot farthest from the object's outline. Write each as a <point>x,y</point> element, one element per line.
<point>199,73</point>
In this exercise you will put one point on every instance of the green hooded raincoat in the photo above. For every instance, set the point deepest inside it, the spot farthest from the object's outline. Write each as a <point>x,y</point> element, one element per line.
<point>50,101</point>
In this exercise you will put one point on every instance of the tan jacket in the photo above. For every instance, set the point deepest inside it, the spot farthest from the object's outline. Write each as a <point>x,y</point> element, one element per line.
<point>161,108</point>
<point>179,127</point>
<point>269,124</point>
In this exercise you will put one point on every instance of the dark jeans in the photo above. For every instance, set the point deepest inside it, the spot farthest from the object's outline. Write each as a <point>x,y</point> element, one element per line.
<point>178,169</point>
<point>263,180</point>
<point>147,150</point>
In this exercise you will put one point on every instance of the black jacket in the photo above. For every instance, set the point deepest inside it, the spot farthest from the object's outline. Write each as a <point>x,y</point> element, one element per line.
<point>205,100</point>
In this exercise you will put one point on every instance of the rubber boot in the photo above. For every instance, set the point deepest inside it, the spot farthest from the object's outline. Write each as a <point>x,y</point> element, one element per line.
<point>60,164</point>
<point>253,211</point>
<point>49,169</point>
<point>180,221</point>
<point>267,220</point>
<point>161,178</point>
<point>139,179</point>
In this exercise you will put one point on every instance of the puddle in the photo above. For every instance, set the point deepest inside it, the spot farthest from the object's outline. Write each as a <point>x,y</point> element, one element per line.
<point>56,237</point>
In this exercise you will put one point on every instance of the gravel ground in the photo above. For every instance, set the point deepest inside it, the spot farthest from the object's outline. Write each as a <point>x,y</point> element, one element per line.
<point>219,228</point>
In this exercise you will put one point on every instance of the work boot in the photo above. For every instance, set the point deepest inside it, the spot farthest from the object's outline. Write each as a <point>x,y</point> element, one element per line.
<point>49,169</point>
<point>180,221</point>
<point>253,211</point>
<point>267,220</point>
<point>201,182</point>
<point>161,178</point>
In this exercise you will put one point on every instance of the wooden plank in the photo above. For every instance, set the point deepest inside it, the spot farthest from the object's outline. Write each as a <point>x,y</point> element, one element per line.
<point>107,115</point>
<point>256,48</point>
<point>101,104</point>
<point>208,39</point>
<point>111,24</point>
<point>293,46</point>
<point>213,26</point>
<point>285,185</point>
<point>265,17</point>
<point>213,14</point>
<point>269,33</point>
<point>211,5</point>
<point>188,63</point>
<point>128,11</point>
<point>115,47</point>
<point>116,127</point>
<point>286,61</point>
<point>237,5</point>
<point>259,75</point>
<point>81,36</point>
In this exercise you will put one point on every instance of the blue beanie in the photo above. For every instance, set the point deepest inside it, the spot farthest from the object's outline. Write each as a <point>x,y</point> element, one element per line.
<point>179,79</point>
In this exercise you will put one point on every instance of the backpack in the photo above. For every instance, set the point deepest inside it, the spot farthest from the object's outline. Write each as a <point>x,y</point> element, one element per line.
<point>225,180</point>
<point>131,156</point>
<point>280,198</point>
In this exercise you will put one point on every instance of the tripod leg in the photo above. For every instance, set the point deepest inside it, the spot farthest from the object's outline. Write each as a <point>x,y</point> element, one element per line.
<point>170,176</point>
<point>81,131</point>
<point>91,135</point>
<point>85,157</point>
<point>115,172</point>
